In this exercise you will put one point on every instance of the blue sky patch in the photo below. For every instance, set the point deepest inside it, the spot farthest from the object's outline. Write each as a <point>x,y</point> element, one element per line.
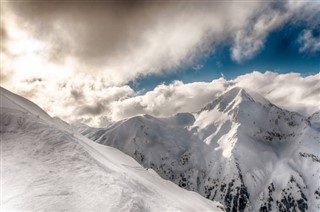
<point>280,54</point>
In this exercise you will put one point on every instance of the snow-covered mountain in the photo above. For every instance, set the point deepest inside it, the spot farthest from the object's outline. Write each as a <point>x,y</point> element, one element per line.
<point>240,150</point>
<point>46,166</point>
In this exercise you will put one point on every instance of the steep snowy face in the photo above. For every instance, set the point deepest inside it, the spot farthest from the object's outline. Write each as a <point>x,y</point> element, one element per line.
<point>314,120</point>
<point>217,123</point>
<point>264,145</point>
<point>47,168</point>
<point>236,120</point>
<point>240,150</point>
<point>160,144</point>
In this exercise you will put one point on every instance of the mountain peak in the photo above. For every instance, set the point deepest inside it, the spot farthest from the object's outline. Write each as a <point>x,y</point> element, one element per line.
<point>237,92</point>
<point>235,96</point>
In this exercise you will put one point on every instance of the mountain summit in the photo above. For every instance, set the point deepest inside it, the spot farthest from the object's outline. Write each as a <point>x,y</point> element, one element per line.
<point>234,97</point>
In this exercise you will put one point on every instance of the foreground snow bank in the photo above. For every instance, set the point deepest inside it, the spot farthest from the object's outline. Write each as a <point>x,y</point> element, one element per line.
<point>45,167</point>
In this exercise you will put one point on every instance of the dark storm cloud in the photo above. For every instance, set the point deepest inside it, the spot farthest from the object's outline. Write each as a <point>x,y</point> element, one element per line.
<point>88,29</point>
<point>128,37</point>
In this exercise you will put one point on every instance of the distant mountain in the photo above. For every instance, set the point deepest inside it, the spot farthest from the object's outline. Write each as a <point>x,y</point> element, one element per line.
<point>240,150</point>
<point>45,166</point>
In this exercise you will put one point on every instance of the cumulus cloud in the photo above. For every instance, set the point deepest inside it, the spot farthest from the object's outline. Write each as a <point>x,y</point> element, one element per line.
<point>82,98</point>
<point>290,91</point>
<point>166,100</point>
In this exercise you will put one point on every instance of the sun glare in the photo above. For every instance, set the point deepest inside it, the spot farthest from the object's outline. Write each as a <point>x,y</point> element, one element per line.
<point>21,43</point>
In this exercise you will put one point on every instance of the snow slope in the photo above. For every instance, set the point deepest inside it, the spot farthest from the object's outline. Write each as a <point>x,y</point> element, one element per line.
<point>46,167</point>
<point>240,150</point>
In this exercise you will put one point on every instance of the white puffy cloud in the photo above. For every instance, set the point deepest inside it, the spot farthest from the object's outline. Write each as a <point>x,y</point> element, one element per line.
<point>290,91</point>
<point>82,98</point>
<point>166,100</point>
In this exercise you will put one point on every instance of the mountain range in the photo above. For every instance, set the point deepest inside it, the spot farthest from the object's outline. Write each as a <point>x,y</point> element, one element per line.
<point>240,150</point>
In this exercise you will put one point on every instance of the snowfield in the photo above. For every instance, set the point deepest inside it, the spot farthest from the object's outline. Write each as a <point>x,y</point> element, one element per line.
<point>47,167</point>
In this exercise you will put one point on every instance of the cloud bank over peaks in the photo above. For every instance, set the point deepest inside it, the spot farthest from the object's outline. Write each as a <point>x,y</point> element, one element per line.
<point>290,91</point>
<point>95,103</point>
<point>82,98</point>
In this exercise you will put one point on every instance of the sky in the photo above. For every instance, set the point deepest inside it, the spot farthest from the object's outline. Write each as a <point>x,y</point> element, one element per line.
<point>99,61</point>
<point>281,53</point>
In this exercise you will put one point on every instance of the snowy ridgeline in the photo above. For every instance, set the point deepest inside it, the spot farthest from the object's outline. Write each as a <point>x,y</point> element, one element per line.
<point>240,150</point>
<point>48,167</point>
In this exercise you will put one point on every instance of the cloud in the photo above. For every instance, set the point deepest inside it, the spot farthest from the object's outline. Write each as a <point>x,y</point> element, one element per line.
<point>4,36</point>
<point>290,91</point>
<point>77,94</point>
<point>128,39</point>
<point>74,58</point>
<point>310,42</point>
<point>249,40</point>
<point>96,109</point>
<point>95,103</point>
<point>81,98</point>
<point>166,100</point>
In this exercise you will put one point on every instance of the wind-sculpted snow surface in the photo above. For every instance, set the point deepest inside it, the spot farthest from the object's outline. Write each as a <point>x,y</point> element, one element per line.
<point>240,150</point>
<point>47,167</point>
